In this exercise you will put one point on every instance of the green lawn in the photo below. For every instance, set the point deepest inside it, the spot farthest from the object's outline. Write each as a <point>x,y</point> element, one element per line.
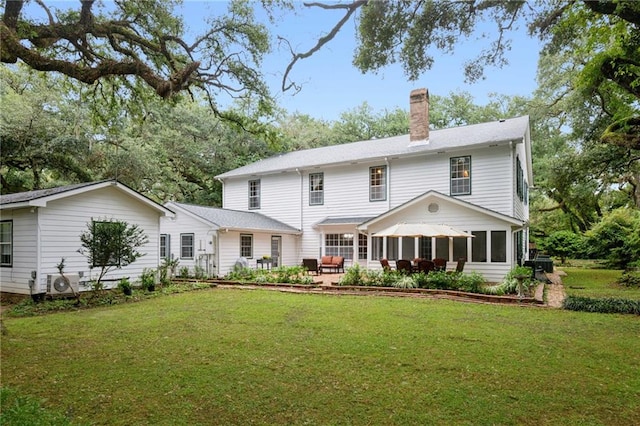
<point>225,356</point>
<point>597,283</point>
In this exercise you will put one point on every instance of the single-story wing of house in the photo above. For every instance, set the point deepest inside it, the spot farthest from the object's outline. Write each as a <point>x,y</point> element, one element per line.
<point>211,240</point>
<point>40,228</point>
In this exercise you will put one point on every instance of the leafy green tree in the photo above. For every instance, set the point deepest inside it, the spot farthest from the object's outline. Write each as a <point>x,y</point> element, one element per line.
<point>397,31</point>
<point>363,123</point>
<point>140,44</point>
<point>41,138</point>
<point>616,238</point>
<point>111,244</point>
<point>563,244</point>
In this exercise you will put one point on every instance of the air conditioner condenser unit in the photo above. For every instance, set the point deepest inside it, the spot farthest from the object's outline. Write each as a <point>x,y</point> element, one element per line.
<point>63,285</point>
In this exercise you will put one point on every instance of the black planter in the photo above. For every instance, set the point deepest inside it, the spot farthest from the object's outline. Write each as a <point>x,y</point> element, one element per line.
<point>127,291</point>
<point>152,287</point>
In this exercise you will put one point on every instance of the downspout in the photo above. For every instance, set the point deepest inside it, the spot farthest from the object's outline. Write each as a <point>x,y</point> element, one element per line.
<point>222,182</point>
<point>301,195</point>
<point>388,164</point>
<point>299,242</point>
<point>37,278</point>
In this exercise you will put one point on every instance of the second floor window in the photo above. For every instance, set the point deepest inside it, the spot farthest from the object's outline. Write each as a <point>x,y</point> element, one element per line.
<point>186,246</point>
<point>378,183</point>
<point>316,189</point>
<point>461,175</point>
<point>519,180</point>
<point>254,194</point>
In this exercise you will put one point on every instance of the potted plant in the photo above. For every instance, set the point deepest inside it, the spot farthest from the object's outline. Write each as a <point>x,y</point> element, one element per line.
<point>148,280</point>
<point>125,285</point>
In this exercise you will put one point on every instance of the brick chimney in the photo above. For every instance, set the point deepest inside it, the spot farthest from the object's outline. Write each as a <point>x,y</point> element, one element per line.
<point>419,115</point>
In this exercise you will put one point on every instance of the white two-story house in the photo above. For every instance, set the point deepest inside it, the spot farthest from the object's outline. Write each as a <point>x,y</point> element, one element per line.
<point>474,178</point>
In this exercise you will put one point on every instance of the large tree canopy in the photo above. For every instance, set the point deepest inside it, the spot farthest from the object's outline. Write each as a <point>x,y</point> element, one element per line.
<point>412,32</point>
<point>136,41</point>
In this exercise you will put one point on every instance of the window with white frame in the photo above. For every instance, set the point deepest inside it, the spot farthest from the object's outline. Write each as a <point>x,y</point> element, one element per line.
<point>186,246</point>
<point>461,175</point>
<point>254,194</point>
<point>498,246</point>
<point>460,248</point>
<point>424,248</point>
<point>377,248</point>
<point>6,243</point>
<point>519,180</point>
<point>316,189</point>
<point>479,246</point>
<point>378,183</point>
<point>362,246</point>
<point>246,245</point>
<point>393,244</point>
<point>165,250</point>
<point>339,245</point>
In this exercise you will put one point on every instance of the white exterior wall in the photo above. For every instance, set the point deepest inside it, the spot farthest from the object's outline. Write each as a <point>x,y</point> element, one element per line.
<point>15,279</point>
<point>520,209</point>
<point>279,196</point>
<point>285,196</point>
<point>62,222</point>
<point>464,219</point>
<point>203,241</point>
<point>230,249</point>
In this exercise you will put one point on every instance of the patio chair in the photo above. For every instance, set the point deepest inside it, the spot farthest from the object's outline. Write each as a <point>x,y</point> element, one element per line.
<point>425,266</point>
<point>385,265</point>
<point>441,264</point>
<point>404,265</point>
<point>459,266</point>
<point>311,265</point>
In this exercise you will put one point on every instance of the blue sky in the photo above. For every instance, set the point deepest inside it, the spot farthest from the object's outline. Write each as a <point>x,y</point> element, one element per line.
<point>332,85</point>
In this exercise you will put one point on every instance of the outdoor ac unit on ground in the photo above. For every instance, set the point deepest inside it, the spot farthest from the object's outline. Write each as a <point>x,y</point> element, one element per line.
<point>62,285</point>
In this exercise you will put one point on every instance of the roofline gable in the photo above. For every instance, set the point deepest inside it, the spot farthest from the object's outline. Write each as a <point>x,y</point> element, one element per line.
<point>177,206</point>
<point>42,201</point>
<point>435,194</point>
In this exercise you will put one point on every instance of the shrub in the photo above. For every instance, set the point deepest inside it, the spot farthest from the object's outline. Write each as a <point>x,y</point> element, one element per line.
<point>353,276</point>
<point>616,238</point>
<point>421,280</point>
<point>471,283</point>
<point>147,279</point>
<point>405,281</point>
<point>125,285</point>
<point>441,280</point>
<point>510,284</point>
<point>563,244</point>
<point>602,305</point>
<point>630,278</point>
<point>183,272</point>
<point>198,272</point>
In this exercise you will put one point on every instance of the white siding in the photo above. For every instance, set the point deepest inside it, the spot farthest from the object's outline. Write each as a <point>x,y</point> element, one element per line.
<point>62,222</point>
<point>279,196</point>
<point>285,196</point>
<point>15,279</point>
<point>204,247</point>
<point>230,249</point>
<point>464,219</point>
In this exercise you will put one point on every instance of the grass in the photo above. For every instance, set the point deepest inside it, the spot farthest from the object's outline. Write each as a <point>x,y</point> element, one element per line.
<point>225,356</point>
<point>597,283</point>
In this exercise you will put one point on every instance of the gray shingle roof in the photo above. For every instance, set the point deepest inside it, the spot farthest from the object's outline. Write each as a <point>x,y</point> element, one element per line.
<point>513,129</point>
<point>235,219</point>
<point>344,220</point>
<point>22,197</point>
